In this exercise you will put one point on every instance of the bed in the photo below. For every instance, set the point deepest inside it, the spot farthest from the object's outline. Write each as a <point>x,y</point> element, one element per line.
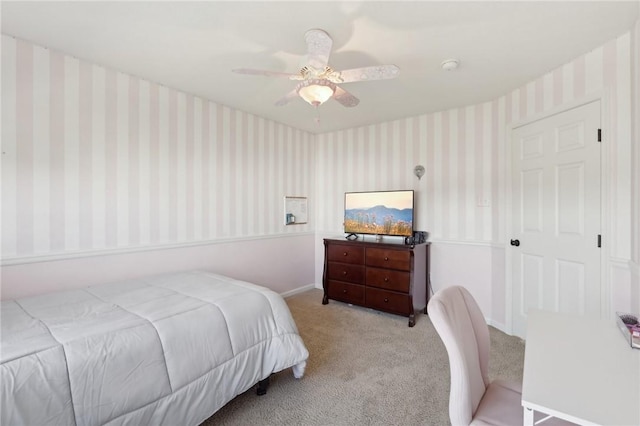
<point>169,349</point>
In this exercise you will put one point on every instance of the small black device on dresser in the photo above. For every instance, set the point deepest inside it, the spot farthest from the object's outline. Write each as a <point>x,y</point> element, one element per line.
<point>418,237</point>
<point>390,277</point>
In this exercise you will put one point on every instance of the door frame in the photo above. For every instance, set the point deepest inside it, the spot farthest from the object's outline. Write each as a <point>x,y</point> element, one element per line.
<point>605,172</point>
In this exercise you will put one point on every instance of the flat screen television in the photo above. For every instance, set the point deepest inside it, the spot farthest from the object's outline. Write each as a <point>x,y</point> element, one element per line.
<point>379,213</point>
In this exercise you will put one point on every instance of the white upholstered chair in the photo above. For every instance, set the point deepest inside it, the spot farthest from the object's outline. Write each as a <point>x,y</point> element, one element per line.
<point>474,399</point>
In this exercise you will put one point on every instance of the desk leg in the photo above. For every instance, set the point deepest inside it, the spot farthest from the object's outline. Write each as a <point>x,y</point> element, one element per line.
<point>528,416</point>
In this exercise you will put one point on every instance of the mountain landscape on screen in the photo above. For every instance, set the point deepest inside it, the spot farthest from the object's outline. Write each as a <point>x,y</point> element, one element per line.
<point>379,219</point>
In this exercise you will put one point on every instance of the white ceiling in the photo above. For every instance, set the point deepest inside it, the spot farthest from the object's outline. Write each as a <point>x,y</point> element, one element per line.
<point>193,46</point>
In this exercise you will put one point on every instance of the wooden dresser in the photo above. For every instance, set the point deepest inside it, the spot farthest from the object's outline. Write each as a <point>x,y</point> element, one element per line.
<point>390,277</point>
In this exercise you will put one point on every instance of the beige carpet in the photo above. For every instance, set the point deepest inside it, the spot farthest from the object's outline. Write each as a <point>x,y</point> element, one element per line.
<point>364,368</point>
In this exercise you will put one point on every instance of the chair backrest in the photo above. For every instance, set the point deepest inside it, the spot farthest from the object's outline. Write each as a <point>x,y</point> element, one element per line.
<point>464,332</point>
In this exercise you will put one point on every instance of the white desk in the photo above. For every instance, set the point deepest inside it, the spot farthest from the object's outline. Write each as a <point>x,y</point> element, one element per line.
<point>580,370</point>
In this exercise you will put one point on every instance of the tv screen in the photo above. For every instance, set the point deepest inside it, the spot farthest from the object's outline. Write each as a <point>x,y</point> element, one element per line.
<point>379,212</point>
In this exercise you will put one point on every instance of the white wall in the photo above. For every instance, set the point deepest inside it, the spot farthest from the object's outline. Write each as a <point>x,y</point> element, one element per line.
<point>462,197</point>
<point>100,163</point>
<point>279,263</point>
<point>635,263</point>
<point>97,162</point>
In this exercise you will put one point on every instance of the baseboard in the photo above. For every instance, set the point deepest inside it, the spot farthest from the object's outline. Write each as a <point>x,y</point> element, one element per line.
<point>298,290</point>
<point>500,326</point>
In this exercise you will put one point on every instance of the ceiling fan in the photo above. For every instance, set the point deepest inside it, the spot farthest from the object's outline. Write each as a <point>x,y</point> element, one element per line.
<point>318,81</point>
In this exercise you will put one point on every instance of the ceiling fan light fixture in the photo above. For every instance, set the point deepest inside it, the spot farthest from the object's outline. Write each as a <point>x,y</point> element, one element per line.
<point>316,92</point>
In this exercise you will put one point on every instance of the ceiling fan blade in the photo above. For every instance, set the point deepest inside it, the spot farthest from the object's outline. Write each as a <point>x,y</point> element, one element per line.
<point>345,98</point>
<point>378,72</point>
<point>318,48</point>
<point>267,73</point>
<point>287,98</point>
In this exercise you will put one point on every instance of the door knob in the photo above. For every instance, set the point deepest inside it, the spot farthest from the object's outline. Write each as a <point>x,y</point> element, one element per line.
<point>515,243</point>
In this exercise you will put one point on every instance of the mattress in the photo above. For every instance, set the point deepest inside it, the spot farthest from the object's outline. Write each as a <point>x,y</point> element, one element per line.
<point>168,349</point>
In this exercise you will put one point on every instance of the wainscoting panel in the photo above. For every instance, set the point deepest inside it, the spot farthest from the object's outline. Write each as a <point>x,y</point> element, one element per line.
<point>282,263</point>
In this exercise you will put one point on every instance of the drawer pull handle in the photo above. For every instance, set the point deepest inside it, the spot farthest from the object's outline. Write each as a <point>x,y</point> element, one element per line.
<point>344,291</point>
<point>386,258</point>
<point>386,279</point>
<point>386,300</point>
<point>344,273</point>
<point>345,253</point>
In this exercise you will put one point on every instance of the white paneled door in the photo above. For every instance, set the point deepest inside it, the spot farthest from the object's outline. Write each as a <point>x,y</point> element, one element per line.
<point>556,209</point>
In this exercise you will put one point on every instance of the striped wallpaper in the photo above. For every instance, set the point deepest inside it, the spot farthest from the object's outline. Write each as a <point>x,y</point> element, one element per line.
<point>95,159</point>
<point>457,149</point>
<point>462,195</point>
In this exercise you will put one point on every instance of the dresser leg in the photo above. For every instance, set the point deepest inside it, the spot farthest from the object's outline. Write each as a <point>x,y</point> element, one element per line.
<point>325,299</point>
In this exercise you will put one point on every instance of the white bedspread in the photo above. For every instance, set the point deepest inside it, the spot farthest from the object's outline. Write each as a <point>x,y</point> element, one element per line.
<point>169,349</point>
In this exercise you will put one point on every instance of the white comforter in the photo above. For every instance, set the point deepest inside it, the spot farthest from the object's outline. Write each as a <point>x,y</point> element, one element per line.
<point>169,349</point>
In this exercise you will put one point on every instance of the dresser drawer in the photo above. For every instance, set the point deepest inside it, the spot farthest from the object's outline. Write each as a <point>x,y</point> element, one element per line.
<point>346,272</point>
<point>393,259</point>
<point>345,254</point>
<point>389,279</point>
<point>388,301</point>
<point>349,293</point>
